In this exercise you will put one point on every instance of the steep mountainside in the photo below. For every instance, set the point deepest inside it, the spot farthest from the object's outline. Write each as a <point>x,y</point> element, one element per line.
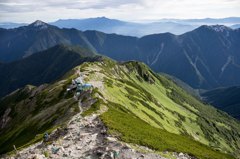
<point>161,104</point>
<point>27,113</point>
<point>24,41</point>
<point>137,105</point>
<point>208,54</point>
<point>226,99</point>
<point>42,67</point>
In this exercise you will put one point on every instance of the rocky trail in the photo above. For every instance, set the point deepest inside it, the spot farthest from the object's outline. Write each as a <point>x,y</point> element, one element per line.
<point>84,138</point>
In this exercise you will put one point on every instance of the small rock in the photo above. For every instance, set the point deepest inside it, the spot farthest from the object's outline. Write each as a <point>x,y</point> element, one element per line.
<point>78,148</point>
<point>181,154</point>
<point>65,155</point>
<point>165,152</point>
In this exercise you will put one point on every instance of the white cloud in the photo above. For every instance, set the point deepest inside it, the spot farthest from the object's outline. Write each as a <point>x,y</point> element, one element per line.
<point>49,10</point>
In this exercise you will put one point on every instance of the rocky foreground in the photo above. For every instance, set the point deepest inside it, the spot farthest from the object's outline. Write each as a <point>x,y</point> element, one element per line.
<point>87,138</point>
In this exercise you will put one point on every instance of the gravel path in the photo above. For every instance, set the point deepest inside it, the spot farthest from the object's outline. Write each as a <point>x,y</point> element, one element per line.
<point>86,139</point>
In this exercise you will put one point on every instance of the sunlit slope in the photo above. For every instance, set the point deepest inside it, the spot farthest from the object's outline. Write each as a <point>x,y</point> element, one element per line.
<point>134,89</point>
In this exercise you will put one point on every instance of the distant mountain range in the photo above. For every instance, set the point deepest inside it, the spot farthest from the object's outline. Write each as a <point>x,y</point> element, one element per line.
<point>209,21</point>
<point>10,25</point>
<point>103,24</point>
<point>206,57</point>
<point>42,67</point>
<point>124,28</point>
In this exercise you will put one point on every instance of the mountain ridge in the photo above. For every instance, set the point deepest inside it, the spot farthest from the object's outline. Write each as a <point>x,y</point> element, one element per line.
<point>43,67</point>
<point>109,25</point>
<point>208,54</point>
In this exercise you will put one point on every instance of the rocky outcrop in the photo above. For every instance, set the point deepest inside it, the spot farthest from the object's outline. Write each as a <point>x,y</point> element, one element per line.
<point>87,138</point>
<point>5,118</point>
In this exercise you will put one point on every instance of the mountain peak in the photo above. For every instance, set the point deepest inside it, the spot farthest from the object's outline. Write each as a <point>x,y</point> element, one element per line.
<point>220,28</point>
<point>39,24</point>
<point>103,17</point>
<point>217,28</point>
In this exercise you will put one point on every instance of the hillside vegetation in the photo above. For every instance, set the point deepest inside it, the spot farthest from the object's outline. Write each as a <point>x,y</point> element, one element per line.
<point>138,106</point>
<point>147,109</point>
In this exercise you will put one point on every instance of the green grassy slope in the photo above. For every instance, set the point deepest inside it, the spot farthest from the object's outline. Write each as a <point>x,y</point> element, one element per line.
<point>154,104</point>
<point>135,130</point>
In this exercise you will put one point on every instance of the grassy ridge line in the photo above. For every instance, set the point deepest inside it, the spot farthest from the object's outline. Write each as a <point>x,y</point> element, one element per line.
<point>172,107</point>
<point>162,104</point>
<point>130,128</point>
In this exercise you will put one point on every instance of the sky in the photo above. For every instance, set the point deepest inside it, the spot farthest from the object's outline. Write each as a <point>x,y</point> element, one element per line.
<point>130,10</point>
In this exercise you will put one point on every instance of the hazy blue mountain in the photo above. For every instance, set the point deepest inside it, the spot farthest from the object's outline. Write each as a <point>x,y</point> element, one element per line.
<point>235,26</point>
<point>9,25</point>
<point>206,57</point>
<point>100,23</point>
<point>107,25</point>
<point>211,21</point>
<point>43,67</point>
<point>175,26</point>
<point>226,99</point>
